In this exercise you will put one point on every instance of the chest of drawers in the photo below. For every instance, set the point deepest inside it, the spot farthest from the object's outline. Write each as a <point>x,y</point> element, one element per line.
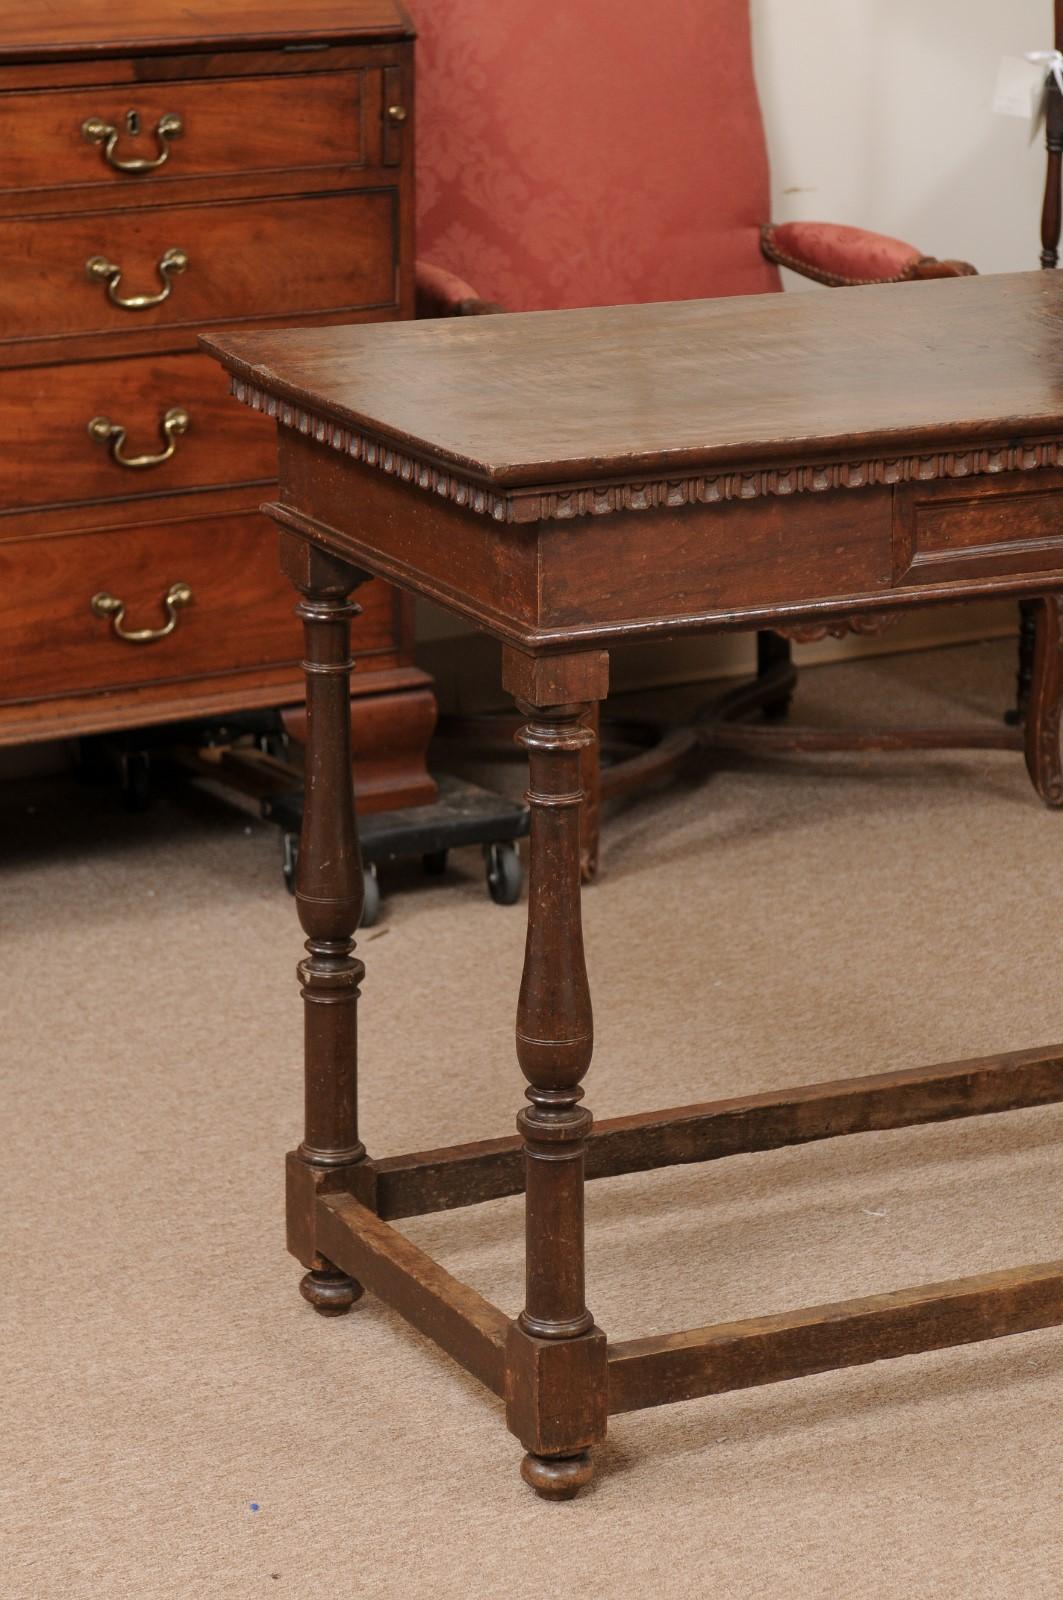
<point>166,169</point>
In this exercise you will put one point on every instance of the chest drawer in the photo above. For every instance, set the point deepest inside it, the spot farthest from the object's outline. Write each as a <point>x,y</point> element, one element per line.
<point>181,130</point>
<point>172,414</point>
<point>239,616</point>
<point>186,266</point>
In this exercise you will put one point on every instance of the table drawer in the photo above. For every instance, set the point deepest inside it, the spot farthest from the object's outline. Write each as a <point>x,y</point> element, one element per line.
<point>45,414</point>
<point>56,139</point>
<point>241,259</point>
<point>1001,523</point>
<point>239,617</point>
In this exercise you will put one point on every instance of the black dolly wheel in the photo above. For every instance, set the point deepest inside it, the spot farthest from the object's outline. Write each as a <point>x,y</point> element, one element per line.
<point>371,904</point>
<point>505,875</point>
<point>290,861</point>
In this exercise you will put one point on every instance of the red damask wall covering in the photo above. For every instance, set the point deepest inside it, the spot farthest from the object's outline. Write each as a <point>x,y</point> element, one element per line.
<point>591,152</point>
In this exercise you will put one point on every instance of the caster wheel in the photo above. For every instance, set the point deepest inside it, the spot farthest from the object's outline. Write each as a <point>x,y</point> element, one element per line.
<point>505,875</point>
<point>290,864</point>
<point>136,780</point>
<point>289,859</point>
<point>434,863</point>
<point>371,905</point>
<point>777,710</point>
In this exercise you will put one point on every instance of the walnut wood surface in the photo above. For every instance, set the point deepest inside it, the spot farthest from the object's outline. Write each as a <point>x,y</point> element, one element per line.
<point>298,189</point>
<point>426,1295</point>
<point>329,893</point>
<point>246,259</point>
<point>723,385</point>
<point>56,577</point>
<point>1044,711</point>
<point>741,1355</point>
<point>763,461</point>
<point>61,29</point>
<point>251,125</point>
<point>44,416</point>
<point>439,1180</point>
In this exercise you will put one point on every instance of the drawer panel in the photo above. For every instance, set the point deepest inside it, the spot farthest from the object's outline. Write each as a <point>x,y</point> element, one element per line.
<point>997,524</point>
<point>240,616</point>
<point>245,259</point>
<point>45,413</point>
<point>243,125</point>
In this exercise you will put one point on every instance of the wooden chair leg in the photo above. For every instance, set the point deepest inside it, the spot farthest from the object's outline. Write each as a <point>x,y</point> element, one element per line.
<point>775,664</point>
<point>1045,703</point>
<point>329,893</point>
<point>591,782</point>
<point>1024,665</point>
<point>558,1391</point>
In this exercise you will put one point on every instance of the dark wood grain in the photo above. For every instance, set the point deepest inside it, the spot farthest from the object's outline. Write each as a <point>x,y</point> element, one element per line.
<point>279,171</point>
<point>577,480</point>
<point>253,124</point>
<point>246,259</point>
<point>44,416</point>
<point>586,396</point>
<point>555,1040</point>
<point>740,1355</point>
<point>329,892</point>
<point>56,578</point>
<point>454,1316</point>
<point>1044,758</point>
<point>79,28</point>
<point>439,1180</point>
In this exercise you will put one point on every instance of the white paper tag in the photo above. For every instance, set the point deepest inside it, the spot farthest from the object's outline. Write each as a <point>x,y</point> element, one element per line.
<point>1020,91</point>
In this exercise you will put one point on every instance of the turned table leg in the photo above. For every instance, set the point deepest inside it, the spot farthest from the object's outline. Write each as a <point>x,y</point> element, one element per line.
<point>555,1355</point>
<point>329,892</point>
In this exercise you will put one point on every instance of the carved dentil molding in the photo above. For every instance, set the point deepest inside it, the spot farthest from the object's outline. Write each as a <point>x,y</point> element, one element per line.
<point>562,505</point>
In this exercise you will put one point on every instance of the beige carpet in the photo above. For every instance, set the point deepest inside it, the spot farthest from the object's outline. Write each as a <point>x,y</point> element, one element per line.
<point>776,923</point>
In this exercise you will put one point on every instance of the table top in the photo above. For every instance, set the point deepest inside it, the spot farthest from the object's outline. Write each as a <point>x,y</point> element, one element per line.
<point>726,385</point>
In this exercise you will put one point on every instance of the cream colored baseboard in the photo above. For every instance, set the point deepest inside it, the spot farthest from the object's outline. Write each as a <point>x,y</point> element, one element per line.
<point>466,665</point>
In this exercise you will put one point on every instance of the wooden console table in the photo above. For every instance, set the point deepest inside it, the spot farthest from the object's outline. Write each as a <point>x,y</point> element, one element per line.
<point>568,481</point>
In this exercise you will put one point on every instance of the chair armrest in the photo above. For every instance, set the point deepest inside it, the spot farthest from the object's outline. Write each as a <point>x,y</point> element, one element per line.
<point>840,256</point>
<point>443,294</point>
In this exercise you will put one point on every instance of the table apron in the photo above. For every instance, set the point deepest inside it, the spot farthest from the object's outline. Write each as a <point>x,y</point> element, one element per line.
<point>773,560</point>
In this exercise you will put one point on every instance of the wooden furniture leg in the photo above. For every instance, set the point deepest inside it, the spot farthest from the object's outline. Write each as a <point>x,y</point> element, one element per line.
<point>1045,704</point>
<point>329,893</point>
<point>590,775</point>
<point>556,1357</point>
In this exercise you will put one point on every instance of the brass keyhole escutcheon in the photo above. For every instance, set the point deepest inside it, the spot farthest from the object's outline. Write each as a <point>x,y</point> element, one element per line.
<point>95,131</point>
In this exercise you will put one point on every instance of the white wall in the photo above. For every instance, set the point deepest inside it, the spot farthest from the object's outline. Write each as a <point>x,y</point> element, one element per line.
<point>878,113</point>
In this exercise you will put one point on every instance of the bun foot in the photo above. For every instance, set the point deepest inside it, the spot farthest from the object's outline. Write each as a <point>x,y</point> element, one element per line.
<point>331,1293</point>
<point>557,1477</point>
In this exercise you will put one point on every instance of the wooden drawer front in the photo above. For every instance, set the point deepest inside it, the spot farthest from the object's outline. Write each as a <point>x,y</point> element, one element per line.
<point>243,125</point>
<point>246,259</point>
<point>50,458</point>
<point>240,616</point>
<point>952,530</point>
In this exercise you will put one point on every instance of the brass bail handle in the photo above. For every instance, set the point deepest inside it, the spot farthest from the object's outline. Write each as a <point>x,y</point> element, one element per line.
<point>95,131</point>
<point>99,270</point>
<point>109,605</point>
<point>172,424</point>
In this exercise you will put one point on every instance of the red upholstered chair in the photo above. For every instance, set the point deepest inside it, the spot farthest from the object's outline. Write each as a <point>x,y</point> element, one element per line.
<point>596,152</point>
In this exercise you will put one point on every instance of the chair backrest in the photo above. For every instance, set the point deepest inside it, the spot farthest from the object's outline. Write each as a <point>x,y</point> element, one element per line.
<point>590,152</point>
